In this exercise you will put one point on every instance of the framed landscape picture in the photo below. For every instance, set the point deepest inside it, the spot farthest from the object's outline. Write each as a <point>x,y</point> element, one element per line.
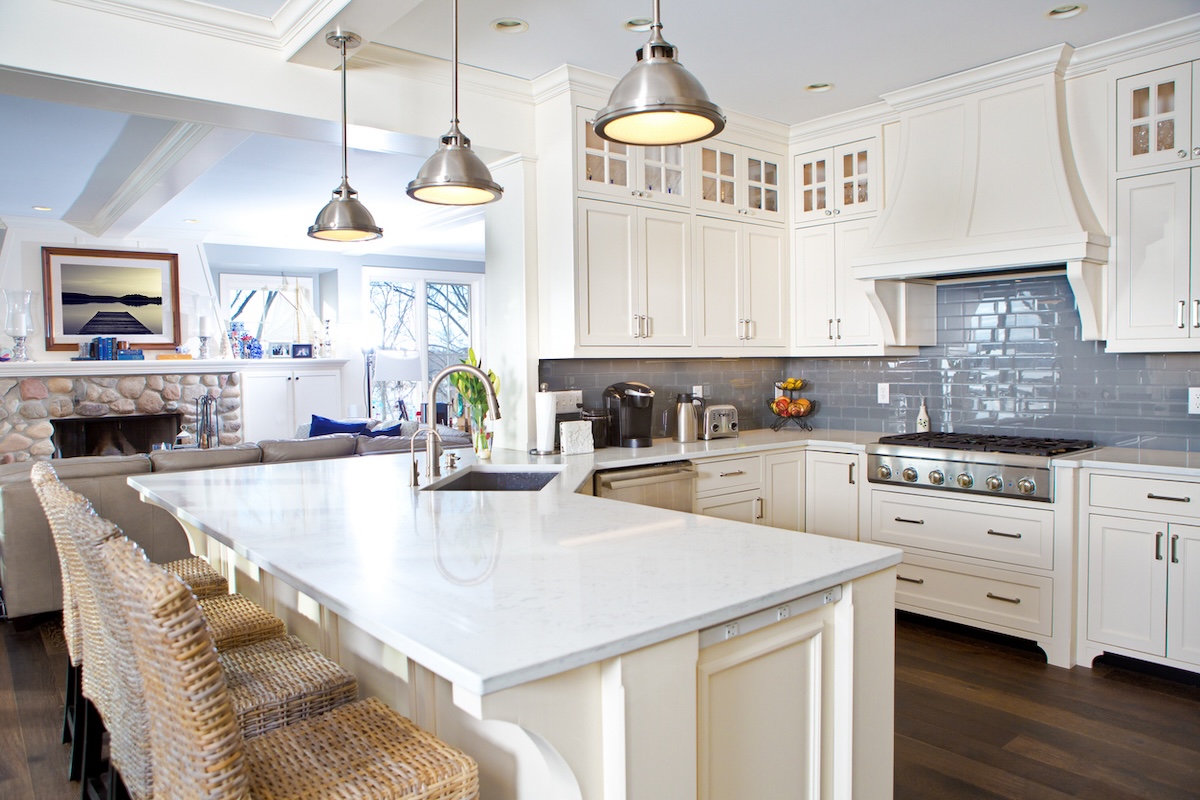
<point>133,296</point>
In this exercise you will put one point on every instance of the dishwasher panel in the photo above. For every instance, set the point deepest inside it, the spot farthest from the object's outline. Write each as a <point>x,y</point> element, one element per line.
<point>663,486</point>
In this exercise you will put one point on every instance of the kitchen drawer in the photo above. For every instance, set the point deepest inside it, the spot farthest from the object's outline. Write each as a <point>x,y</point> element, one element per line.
<point>1151,495</point>
<point>967,592</point>
<point>728,474</point>
<point>1007,534</point>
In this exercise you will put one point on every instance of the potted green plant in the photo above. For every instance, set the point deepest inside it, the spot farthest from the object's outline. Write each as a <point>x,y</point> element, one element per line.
<point>475,396</point>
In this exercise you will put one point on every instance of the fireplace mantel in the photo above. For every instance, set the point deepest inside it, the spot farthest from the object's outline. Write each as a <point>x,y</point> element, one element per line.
<point>54,369</point>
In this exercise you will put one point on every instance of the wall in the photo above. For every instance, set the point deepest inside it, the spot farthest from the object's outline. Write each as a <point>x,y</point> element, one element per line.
<point>1008,360</point>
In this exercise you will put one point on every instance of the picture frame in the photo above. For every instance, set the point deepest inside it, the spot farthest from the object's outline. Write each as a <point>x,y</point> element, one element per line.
<point>126,294</point>
<point>279,350</point>
<point>302,351</point>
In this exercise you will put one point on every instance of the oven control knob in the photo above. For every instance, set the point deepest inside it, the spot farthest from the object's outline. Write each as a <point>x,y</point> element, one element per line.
<point>937,477</point>
<point>964,480</point>
<point>909,474</point>
<point>994,483</point>
<point>1026,486</point>
<point>884,472</point>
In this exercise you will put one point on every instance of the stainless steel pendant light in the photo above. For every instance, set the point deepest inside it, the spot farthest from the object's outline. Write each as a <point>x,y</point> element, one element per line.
<point>344,218</point>
<point>658,101</point>
<point>454,175</point>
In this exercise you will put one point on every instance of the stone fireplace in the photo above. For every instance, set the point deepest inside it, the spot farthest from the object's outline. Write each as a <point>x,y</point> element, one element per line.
<point>30,407</point>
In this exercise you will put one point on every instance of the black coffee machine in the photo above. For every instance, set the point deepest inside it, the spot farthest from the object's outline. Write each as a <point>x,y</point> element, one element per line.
<point>630,412</point>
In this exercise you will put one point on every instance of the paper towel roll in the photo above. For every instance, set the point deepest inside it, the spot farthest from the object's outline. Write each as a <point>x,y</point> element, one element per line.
<point>544,416</point>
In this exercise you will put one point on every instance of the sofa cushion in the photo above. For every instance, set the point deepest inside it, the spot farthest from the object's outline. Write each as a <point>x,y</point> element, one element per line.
<point>335,445</point>
<point>321,426</point>
<point>84,466</point>
<point>185,459</point>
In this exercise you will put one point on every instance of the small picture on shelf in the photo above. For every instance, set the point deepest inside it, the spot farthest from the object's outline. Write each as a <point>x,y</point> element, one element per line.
<point>280,350</point>
<point>302,351</point>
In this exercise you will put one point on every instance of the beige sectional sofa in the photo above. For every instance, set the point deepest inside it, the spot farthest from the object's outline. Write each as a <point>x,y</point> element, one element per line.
<point>29,575</point>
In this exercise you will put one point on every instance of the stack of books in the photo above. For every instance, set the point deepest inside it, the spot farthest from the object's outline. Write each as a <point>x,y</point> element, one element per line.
<point>107,348</point>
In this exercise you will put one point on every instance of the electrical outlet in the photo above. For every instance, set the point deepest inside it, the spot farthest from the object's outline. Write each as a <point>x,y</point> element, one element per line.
<point>828,598</point>
<point>783,612</point>
<point>731,630</point>
<point>885,392</point>
<point>568,402</point>
<point>1194,400</point>
<point>698,390</point>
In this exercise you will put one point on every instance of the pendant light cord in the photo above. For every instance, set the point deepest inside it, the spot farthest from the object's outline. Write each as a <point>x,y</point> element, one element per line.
<point>454,56</point>
<point>342,48</point>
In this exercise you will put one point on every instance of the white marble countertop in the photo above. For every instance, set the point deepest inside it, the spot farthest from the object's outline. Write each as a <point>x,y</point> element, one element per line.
<point>494,589</point>
<point>1175,463</point>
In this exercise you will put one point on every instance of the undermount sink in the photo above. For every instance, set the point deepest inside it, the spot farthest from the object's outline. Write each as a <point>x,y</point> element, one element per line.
<point>493,478</point>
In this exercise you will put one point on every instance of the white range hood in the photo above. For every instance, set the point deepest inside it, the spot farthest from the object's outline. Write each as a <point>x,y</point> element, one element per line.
<point>987,184</point>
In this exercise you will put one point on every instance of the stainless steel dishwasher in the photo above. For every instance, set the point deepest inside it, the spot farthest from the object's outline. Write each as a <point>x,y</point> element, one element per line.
<point>662,485</point>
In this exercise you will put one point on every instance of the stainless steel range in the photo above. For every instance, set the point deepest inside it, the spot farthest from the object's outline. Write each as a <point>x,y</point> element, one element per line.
<point>1005,466</point>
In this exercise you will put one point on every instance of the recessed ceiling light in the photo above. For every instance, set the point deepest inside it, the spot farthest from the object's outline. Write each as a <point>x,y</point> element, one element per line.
<point>817,88</point>
<point>510,25</point>
<point>192,221</point>
<point>638,24</point>
<point>1067,11</point>
<point>42,208</point>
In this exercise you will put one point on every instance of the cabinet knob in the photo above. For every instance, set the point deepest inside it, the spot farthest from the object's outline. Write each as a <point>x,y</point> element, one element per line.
<point>837,211</point>
<point>1182,153</point>
<point>828,213</point>
<point>1196,152</point>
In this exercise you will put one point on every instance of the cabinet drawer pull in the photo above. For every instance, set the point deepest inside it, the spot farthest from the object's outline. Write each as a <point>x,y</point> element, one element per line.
<point>1174,548</point>
<point>637,326</point>
<point>1158,546</point>
<point>758,502</point>
<point>910,580</point>
<point>1002,533</point>
<point>1196,313</point>
<point>831,330</point>
<point>731,474</point>
<point>1179,314</point>
<point>1016,601</point>
<point>911,521</point>
<point>1152,496</point>
<point>839,329</point>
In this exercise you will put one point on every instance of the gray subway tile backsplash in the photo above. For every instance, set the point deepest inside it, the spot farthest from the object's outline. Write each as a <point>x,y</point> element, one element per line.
<point>1009,358</point>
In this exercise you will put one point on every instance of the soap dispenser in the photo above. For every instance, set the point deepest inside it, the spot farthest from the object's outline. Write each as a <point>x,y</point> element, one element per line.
<point>923,418</point>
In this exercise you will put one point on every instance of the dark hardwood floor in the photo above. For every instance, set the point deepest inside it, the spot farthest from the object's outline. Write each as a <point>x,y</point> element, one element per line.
<point>976,717</point>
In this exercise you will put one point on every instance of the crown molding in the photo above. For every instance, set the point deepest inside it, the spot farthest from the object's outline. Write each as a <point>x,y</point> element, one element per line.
<point>1146,42</point>
<point>1048,60</point>
<point>875,114</point>
<point>274,33</point>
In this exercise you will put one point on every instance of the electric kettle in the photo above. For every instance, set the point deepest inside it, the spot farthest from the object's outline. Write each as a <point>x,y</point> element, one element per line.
<point>688,409</point>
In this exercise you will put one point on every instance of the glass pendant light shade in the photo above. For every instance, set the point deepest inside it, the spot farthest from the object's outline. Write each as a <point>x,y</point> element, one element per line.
<point>454,175</point>
<point>344,218</point>
<point>658,101</point>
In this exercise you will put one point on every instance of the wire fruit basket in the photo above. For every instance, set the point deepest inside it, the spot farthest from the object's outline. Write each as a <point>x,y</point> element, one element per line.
<point>789,407</point>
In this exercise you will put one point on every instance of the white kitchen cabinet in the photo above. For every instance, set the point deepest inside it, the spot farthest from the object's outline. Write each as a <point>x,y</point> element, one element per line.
<point>629,173</point>
<point>762,489</point>
<point>1142,568</point>
<point>831,486</point>
<point>739,182</point>
<point>832,307</point>
<point>742,285</point>
<point>1157,303</point>
<point>840,182</point>
<point>1155,125</point>
<point>635,285</point>
<point>277,401</point>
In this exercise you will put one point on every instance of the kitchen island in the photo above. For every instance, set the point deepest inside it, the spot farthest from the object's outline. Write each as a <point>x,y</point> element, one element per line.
<point>577,647</point>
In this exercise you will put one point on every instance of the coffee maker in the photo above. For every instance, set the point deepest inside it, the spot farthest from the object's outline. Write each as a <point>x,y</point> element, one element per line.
<point>630,412</point>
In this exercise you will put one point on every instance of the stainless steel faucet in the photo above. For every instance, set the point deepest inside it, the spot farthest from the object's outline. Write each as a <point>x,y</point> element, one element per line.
<point>433,469</point>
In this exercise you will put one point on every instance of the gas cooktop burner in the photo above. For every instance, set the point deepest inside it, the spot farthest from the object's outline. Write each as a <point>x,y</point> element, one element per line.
<point>990,443</point>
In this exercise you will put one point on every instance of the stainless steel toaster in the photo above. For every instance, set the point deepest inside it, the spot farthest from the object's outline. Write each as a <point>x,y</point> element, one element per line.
<point>720,422</point>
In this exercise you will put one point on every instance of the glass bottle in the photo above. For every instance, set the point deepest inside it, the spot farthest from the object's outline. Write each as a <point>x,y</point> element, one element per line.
<point>18,320</point>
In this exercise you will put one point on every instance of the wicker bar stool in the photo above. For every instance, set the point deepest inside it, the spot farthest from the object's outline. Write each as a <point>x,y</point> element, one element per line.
<point>273,682</point>
<point>196,572</point>
<point>359,750</point>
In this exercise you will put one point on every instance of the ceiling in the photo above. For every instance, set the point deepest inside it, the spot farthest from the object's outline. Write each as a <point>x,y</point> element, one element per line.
<point>264,190</point>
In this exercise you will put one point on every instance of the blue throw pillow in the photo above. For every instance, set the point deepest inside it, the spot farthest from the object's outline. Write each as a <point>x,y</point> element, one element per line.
<point>322,425</point>
<point>394,430</point>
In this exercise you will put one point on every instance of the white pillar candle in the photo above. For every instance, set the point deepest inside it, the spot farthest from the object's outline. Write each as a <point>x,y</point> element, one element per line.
<point>20,322</point>
<point>205,326</point>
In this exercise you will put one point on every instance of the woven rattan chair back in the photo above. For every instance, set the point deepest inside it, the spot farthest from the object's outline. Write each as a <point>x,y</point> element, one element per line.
<point>196,745</point>
<point>42,476</point>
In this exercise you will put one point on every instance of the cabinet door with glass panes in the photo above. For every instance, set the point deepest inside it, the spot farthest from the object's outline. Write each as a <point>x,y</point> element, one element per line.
<point>1155,125</point>
<point>836,182</point>
<point>632,174</point>
<point>739,182</point>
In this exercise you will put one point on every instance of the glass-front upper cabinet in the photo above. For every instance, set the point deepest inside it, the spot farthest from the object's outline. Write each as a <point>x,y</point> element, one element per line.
<point>739,181</point>
<point>1154,119</point>
<point>836,182</point>
<point>630,173</point>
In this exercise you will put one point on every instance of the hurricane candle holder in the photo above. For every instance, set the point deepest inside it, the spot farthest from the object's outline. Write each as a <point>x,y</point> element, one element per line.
<point>18,321</point>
